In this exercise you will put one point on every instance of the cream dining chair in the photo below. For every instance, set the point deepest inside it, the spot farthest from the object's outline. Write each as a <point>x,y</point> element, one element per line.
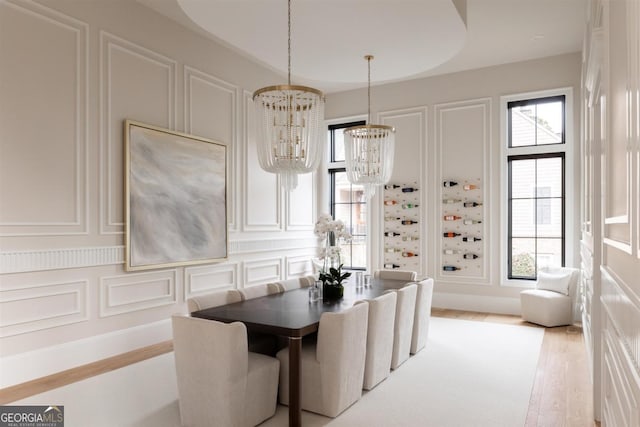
<point>403,327</point>
<point>213,299</point>
<point>333,369</point>
<point>407,275</point>
<point>295,283</point>
<point>220,383</point>
<point>382,313</point>
<point>258,291</point>
<point>420,333</point>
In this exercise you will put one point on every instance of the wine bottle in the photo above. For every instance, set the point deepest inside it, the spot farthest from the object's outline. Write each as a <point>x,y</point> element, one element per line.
<point>471,239</point>
<point>409,254</point>
<point>450,268</point>
<point>450,234</point>
<point>390,202</point>
<point>471,221</point>
<point>451,252</point>
<point>470,256</point>
<point>391,218</point>
<point>391,186</point>
<point>449,183</point>
<point>452,217</point>
<point>409,205</point>
<point>409,189</point>
<point>470,187</point>
<point>409,238</point>
<point>471,204</point>
<point>391,266</point>
<point>391,233</point>
<point>451,201</point>
<point>409,222</point>
<point>392,250</point>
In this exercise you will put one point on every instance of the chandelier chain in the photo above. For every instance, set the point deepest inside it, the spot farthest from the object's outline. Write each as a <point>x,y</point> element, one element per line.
<point>289,43</point>
<point>369,89</point>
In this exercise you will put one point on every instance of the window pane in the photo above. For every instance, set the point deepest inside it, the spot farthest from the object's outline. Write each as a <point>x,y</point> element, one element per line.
<point>523,126</point>
<point>550,118</point>
<point>523,178</point>
<point>338,147</point>
<point>549,253</point>
<point>523,258</point>
<point>549,177</point>
<point>549,217</point>
<point>522,218</point>
<point>359,251</point>
<point>342,190</point>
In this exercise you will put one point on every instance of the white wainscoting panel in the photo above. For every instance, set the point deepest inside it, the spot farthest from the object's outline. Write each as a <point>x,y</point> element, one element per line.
<point>43,167</point>
<point>135,83</point>
<point>301,205</point>
<point>261,271</point>
<point>35,307</point>
<point>463,147</point>
<point>210,111</point>
<point>54,259</point>
<point>298,266</point>
<point>262,193</point>
<point>204,279</point>
<point>137,291</point>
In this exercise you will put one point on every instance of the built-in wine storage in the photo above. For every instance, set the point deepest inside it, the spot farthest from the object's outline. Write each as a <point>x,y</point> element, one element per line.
<point>402,227</point>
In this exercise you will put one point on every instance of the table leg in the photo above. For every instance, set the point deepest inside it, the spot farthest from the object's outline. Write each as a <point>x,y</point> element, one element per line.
<point>295,382</point>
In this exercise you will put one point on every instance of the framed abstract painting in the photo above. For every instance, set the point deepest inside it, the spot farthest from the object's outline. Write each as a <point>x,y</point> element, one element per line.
<point>176,198</point>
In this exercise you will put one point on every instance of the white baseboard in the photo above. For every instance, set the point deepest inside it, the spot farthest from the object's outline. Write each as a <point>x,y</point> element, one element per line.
<point>483,304</point>
<point>27,366</point>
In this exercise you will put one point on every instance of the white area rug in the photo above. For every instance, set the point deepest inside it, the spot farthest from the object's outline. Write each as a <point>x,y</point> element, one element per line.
<point>471,374</point>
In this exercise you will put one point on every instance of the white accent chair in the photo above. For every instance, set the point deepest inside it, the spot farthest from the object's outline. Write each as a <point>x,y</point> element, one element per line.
<point>295,283</point>
<point>407,275</point>
<point>403,327</point>
<point>213,299</point>
<point>332,370</point>
<point>382,313</point>
<point>554,300</point>
<point>422,315</point>
<point>258,291</point>
<point>219,382</point>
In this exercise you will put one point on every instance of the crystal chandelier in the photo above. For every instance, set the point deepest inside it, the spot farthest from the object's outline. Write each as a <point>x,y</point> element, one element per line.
<point>288,124</point>
<point>369,149</point>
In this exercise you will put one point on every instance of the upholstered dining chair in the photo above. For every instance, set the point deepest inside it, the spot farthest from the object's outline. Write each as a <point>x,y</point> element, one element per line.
<point>382,313</point>
<point>407,275</point>
<point>403,327</point>
<point>295,283</point>
<point>422,316</point>
<point>258,291</point>
<point>332,370</point>
<point>554,301</point>
<point>221,383</point>
<point>213,299</point>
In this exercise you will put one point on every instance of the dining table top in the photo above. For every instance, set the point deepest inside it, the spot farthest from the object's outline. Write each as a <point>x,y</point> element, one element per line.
<point>291,313</point>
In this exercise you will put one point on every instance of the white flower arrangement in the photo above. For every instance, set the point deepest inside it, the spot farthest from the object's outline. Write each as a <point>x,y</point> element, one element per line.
<point>326,225</point>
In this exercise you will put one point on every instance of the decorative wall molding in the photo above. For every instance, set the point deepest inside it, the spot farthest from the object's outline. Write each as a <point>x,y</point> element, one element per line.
<point>203,279</point>
<point>55,259</point>
<point>259,271</point>
<point>80,125</point>
<point>137,291</point>
<point>301,204</point>
<point>111,141</point>
<point>36,307</point>
<point>298,266</point>
<point>484,107</point>
<point>215,129</point>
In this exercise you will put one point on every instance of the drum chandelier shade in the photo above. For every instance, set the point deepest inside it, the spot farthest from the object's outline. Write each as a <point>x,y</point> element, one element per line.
<point>289,119</point>
<point>369,150</point>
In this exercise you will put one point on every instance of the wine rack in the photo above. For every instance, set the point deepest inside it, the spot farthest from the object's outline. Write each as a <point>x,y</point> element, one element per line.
<point>462,227</point>
<point>401,240</point>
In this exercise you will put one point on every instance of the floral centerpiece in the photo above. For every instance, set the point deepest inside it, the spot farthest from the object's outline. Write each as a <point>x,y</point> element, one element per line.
<point>331,232</point>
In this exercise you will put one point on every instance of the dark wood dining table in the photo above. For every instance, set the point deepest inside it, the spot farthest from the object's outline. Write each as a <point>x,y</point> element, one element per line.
<point>290,314</point>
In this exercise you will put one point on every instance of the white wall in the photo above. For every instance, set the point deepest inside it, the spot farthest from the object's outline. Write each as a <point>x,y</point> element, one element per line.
<point>449,127</point>
<point>70,73</point>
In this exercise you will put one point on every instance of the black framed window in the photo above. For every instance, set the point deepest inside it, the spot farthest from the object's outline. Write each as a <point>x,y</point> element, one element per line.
<point>535,122</point>
<point>347,201</point>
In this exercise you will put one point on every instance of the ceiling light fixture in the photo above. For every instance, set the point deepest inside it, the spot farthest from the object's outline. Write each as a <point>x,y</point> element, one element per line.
<point>369,149</point>
<point>288,123</point>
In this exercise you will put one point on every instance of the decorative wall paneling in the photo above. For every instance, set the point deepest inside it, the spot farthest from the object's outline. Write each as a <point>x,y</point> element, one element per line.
<point>298,266</point>
<point>209,278</point>
<point>210,111</point>
<point>135,83</point>
<point>39,306</point>
<point>301,204</point>
<point>137,291</point>
<point>462,137</point>
<point>50,198</point>
<point>259,271</point>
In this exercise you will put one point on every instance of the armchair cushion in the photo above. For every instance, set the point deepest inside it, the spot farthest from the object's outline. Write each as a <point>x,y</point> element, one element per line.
<point>556,282</point>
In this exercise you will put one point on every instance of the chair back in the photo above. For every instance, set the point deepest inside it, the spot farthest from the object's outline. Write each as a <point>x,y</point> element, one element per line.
<point>259,291</point>
<point>422,315</point>
<point>382,313</point>
<point>407,275</point>
<point>213,299</point>
<point>211,361</point>
<point>403,328</point>
<point>341,350</point>
<point>295,283</point>
<point>573,288</point>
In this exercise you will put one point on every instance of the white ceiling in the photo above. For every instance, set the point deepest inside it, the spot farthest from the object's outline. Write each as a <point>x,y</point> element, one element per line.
<point>409,38</point>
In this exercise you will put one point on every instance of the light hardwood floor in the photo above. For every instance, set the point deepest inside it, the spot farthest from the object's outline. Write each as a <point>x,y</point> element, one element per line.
<point>561,395</point>
<point>562,390</point>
